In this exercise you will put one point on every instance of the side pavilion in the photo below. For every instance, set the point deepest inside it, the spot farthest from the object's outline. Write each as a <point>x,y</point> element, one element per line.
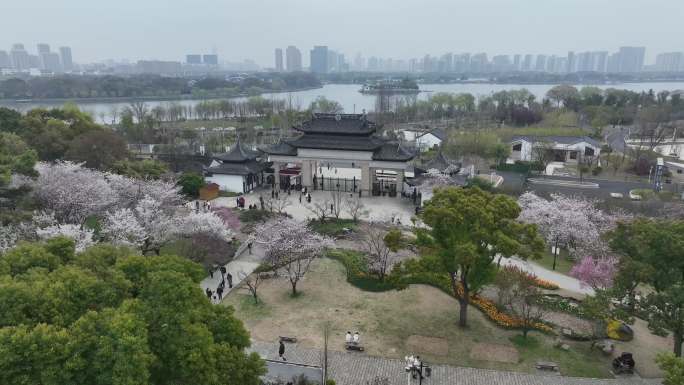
<point>340,152</point>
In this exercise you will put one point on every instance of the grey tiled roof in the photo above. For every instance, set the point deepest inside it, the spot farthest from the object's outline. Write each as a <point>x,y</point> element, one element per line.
<point>440,162</point>
<point>392,152</point>
<point>337,142</point>
<point>237,154</point>
<point>341,124</point>
<point>280,148</point>
<point>558,139</point>
<point>355,368</point>
<point>238,168</point>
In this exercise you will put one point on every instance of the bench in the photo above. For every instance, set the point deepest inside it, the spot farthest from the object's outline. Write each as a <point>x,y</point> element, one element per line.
<point>353,346</point>
<point>292,340</point>
<point>547,365</point>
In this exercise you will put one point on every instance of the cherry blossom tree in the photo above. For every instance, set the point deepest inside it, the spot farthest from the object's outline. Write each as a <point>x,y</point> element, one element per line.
<point>72,192</point>
<point>290,246</point>
<point>596,272</point>
<point>83,237</point>
<point>150,225</point>
<point>381,247</point>
<point>569,222</point>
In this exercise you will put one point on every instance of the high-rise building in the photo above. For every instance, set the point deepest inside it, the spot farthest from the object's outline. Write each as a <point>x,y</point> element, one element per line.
<point>540,65</point>
<point>599,60</point>
<point>293,59</point>
<point>4,60</point>
<point>613,65</point>
<point>65,56</point>
<point>332,60</point>
<point>527,63</point>
<point>19,57</point>
<point>446,63</point>
<point>193,59</point>
<point>43,48</point>
<point>670,62</point>
<point>501,63</point>
<point>571,65</point>
<point>319,59</point>
<point>479,63</point>
<point>279,60</point>
<point>210,59</point>
<point>631,59</point>
<point>462,63</point>
<point>50,62</point>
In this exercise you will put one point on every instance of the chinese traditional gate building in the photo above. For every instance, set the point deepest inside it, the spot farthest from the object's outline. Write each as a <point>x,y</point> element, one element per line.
<point>339,152</point>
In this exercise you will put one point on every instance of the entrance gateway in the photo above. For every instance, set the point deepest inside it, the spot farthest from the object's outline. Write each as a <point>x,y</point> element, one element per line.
<point>340,152</point>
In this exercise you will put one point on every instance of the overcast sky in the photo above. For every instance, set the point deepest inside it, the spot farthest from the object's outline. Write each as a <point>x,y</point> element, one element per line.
<point>239,29</point>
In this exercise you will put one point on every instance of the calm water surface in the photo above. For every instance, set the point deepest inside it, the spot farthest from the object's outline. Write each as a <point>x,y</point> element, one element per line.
<point>347,95</point>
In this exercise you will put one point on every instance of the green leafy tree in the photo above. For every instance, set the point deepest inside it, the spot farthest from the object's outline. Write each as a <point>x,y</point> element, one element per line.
<point>470,228</point>
<point>15,158</point>
<point>105,316</point>
<point>98,149</point>
<point>657,247</point>
<point>191,183</point>
<point>673,368</point>
<point>141,169</point>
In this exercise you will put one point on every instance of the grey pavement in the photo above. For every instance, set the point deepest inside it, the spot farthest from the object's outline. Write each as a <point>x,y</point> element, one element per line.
<point>240,267</point>
<point>356,368</point>
<point>563,281</point>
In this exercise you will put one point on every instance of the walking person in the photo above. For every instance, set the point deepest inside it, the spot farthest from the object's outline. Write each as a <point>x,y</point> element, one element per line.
<point>208,292</point>
<point>249,247</point>
<point>219,291</point>
<point>261,202</point>
<point>223,271</point>
<point>196,206</point>
<point>281,351</point>
<point>230,280</point>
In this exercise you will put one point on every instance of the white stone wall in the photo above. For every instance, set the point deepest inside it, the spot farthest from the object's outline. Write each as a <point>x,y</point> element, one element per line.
<point>232,183</point>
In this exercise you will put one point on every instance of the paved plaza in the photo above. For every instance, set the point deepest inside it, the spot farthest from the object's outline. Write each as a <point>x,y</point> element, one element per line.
<point>380,209</point>
<point>355,368</point>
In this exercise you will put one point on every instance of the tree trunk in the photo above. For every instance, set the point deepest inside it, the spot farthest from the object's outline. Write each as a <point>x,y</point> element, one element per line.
<point>463,311</point>
<point>678,339</point>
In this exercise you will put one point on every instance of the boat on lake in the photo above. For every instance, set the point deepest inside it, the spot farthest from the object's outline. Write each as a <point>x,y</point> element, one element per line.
<point>392,86</point>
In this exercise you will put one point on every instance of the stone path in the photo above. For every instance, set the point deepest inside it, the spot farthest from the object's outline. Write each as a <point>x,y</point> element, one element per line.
<point>354,368</point>
<point>245,263</point>
<point>562,280</point>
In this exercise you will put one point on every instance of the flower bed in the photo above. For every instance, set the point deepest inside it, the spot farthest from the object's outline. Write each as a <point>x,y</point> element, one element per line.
<point>443,283</point>
<point>541,283</point>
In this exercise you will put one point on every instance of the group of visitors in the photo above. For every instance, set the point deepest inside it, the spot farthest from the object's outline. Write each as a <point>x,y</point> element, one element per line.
<point>350,339</point>
<point>415,366</point>
<point>226,277</point>
<point>240,202</point>
<point>206,206</point>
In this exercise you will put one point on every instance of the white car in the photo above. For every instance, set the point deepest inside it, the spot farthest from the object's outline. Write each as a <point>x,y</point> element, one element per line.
<point>616,195</point>
<point>634,197</point>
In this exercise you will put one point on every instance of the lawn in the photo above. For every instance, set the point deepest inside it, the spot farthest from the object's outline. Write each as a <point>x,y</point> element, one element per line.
<point>391,322</point>
<point>563,264</point>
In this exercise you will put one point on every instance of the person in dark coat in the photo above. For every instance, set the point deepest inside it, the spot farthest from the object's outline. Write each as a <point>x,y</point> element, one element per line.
<point>281,351</point>
<point>223,271</point>
<point>261,201</point>
<point>209,293</point>
<point>230,280</point>
<point>219,291</point>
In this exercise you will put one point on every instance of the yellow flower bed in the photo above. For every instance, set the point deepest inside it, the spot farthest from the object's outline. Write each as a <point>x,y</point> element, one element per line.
<point>502,319</point>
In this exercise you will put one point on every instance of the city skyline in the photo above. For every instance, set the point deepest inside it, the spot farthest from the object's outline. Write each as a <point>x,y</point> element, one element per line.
<point>379,28</point>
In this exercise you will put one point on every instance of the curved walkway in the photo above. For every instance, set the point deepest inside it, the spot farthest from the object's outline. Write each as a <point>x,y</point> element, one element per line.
<point>563,281</point>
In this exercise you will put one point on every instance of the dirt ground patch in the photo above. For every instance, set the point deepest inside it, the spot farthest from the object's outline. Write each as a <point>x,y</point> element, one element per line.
<point>428,345</point>
<point>494,352</point>
<point>387,320</point>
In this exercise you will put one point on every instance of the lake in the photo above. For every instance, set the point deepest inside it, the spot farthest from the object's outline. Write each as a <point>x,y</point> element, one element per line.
<point>347,95</point>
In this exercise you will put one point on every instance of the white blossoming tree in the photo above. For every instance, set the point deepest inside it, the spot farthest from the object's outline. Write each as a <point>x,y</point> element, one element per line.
<point>150,225</point>
<point>567,222</point>
<point>72,192</point>
<point>83,237</point>
<point>291,247</point>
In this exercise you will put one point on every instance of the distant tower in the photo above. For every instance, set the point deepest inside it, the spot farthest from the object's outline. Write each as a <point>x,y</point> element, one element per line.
<point>279,60</point>
<point>65,54</point>
<point>293,59</point>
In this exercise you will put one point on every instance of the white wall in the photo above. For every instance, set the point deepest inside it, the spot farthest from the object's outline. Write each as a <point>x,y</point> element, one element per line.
<point>231,183</point>
<point>428,141</point>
